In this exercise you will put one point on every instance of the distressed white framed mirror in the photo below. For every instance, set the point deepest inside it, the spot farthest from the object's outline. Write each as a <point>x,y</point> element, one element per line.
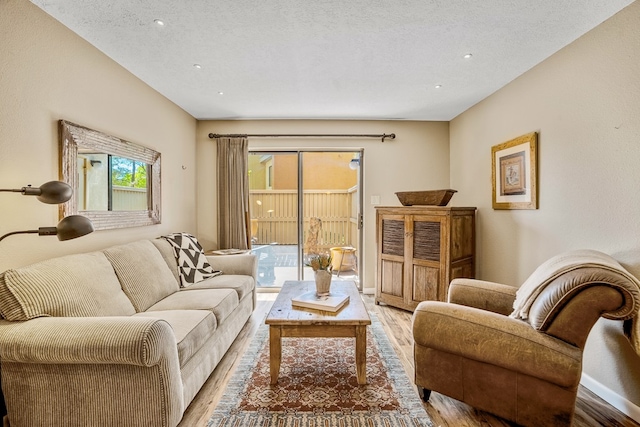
<point>116,183</point>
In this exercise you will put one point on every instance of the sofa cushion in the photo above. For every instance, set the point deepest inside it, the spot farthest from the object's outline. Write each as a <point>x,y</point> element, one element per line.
<point>82,285</point>
<point>243,285</point>
<point>190,327</point>
<point>193,265</point>
<point>219,301</point>
<point>168,254</point>
<point>143,273</point>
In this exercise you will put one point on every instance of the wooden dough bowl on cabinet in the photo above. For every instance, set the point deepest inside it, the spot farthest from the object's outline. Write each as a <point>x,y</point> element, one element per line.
<point>420,249</point>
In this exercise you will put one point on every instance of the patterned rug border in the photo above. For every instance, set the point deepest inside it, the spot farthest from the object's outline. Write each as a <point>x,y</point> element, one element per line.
<point>413,413</point>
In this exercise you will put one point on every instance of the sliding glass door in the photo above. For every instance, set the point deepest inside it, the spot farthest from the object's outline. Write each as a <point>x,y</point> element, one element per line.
<point>303,203</point>
<point>273,202</point>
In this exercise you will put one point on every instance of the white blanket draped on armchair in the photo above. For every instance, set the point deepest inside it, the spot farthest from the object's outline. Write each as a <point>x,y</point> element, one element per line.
<point>563,263</point>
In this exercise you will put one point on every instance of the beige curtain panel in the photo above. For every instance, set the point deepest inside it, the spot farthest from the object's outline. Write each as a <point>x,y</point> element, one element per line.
<point>233,193</point>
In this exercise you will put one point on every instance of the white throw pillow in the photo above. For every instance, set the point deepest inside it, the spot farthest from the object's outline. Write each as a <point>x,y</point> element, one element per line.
<point>192,262</point>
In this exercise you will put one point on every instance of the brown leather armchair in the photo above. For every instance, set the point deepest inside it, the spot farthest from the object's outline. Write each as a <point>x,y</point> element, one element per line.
<point>522,364</point>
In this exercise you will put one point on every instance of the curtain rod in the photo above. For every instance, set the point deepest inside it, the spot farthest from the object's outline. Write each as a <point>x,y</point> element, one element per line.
<point>244,135</point>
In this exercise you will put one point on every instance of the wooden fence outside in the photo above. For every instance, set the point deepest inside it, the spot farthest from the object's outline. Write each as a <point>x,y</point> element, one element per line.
<point>274,219</point>
<point>129,199</point>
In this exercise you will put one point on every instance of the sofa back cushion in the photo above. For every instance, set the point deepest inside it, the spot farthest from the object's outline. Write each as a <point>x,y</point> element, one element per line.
<point>168,254</point>
<point>143,273</point>
<point>82,285</point>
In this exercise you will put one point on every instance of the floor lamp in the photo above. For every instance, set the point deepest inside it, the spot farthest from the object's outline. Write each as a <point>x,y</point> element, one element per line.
<point>55,192</point>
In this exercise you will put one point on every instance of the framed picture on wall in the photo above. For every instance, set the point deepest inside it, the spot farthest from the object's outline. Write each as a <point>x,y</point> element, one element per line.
<point>514,173</point>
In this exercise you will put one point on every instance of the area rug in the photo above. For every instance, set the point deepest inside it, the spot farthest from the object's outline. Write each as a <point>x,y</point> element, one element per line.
<point>317,386</point>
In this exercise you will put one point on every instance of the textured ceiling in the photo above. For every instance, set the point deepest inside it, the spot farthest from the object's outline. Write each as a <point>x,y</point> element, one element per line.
<point>329,59</point>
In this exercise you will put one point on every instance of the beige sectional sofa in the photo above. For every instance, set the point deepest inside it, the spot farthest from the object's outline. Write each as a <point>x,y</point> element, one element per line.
<point>110,338</point>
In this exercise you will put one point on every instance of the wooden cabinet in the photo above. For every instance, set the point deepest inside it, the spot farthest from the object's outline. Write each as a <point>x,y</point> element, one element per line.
<point>420,250</point>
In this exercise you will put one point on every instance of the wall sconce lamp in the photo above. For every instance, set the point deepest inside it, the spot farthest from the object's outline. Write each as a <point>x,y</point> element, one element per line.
<point>70,227</point>
<point>52,192</point>
<point>55,192</point>
<point>354,163</point>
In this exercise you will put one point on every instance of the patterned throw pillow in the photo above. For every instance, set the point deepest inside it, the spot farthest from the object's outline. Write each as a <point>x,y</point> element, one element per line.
<point>192,263</point>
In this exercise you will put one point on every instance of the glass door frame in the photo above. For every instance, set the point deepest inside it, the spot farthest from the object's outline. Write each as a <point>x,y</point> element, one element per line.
<point>300,192</point>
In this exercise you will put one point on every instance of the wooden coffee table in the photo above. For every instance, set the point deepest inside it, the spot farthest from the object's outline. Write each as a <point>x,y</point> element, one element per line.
<point>286,321</point>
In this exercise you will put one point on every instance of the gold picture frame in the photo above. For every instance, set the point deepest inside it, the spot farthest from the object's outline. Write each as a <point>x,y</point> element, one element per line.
<point>514,173</point>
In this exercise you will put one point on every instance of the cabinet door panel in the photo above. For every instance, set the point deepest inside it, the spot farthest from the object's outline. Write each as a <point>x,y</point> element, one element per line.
<point>426,240</point>
<point>425,283</point>
<point>393,237</point>
<point>392,278</point>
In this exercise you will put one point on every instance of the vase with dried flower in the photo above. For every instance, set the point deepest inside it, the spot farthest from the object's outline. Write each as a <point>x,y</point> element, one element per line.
<point>321,266</point>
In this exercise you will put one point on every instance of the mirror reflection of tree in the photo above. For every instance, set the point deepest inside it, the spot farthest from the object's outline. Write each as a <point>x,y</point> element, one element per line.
<point>127,184</point>
<point>128,173</point>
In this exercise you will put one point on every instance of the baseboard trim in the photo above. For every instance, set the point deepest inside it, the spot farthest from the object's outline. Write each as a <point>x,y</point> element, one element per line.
<point>368,291</point>
<point>611,397</point>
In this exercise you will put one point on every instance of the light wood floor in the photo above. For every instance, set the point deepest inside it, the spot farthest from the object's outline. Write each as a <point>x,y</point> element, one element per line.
<point>591,411</point>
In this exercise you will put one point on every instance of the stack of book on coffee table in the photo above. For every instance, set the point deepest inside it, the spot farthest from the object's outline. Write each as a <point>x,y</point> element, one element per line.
<point>332,302</point>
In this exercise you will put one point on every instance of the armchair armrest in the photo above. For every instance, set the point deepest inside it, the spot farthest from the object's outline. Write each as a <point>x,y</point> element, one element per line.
<point>490,296</point>
<point>245,264</point>
<point>87,340</point>
<point>496,339</point>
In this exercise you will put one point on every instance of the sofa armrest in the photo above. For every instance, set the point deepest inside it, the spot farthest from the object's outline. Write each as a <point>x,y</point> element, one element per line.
<point>496,339</point>
<point>245,264</point>
<point>128,365</point>
<point>490,296</point>
<point>87,340</point>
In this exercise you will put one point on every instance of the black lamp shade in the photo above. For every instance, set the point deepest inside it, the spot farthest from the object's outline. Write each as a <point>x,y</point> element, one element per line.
<point>52,192</point>
<point>69,228</point>
<point>73,226</point>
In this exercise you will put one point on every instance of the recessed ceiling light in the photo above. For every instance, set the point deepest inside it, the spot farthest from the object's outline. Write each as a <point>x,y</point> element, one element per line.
<point>197,66</point>
<point>159,22</point>
<point>438,86</point>
<point>220,93</point>
<point>467,56</point>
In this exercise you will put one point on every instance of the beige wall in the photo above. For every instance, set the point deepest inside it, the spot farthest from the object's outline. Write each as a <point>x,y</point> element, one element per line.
<point>48,73</point>
<point>418,159</point>
<point>584,102</point>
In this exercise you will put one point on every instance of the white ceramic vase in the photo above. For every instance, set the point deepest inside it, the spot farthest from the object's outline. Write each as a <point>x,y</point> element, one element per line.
<point>323,282</point>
